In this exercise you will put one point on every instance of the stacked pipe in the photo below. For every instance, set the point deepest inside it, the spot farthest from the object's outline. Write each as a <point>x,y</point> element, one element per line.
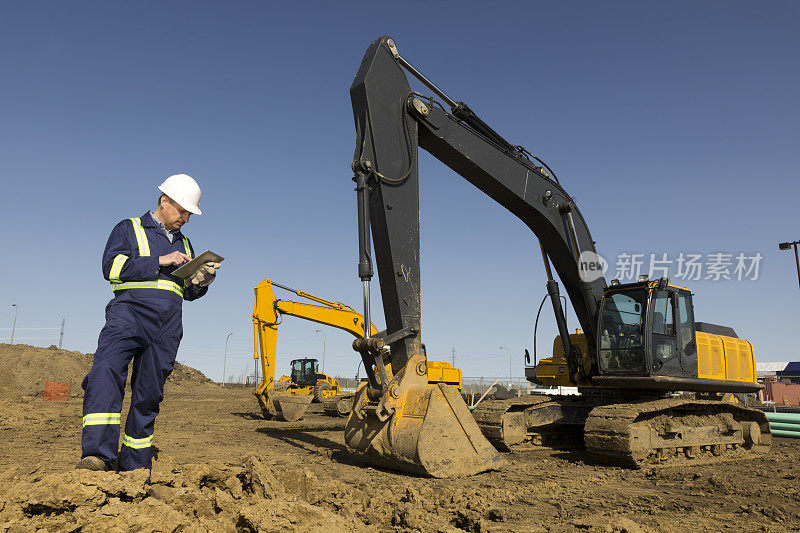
<point>784,424</point>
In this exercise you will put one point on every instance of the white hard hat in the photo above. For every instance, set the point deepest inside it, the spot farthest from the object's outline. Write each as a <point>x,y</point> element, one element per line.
<point>183,189</point>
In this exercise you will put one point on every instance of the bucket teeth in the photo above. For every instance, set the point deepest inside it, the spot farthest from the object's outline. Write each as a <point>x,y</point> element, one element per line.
<point>431,432</point>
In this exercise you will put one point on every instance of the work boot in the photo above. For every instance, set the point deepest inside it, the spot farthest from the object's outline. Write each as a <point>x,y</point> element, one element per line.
<point>90,462</point>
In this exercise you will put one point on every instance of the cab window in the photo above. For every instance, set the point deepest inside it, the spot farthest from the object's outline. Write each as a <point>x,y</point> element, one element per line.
<point>686,324</point>
<point>621,329</point>
<point>665,343</point>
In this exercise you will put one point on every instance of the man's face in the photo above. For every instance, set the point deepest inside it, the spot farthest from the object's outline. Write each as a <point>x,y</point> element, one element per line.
<point>174,215</point>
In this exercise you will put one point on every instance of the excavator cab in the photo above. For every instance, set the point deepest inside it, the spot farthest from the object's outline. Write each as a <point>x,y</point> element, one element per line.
<point>647,329</point>
<point>305,372</point>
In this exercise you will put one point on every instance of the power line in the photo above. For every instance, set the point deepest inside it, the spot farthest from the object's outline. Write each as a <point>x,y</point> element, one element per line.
<point>30,329</point>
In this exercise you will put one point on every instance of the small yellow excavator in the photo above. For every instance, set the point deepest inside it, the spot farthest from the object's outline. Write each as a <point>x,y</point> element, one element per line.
<point>288,398</point>
<point>306,379</point>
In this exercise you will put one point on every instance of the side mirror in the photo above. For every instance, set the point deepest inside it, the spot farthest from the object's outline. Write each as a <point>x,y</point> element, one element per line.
<point>527,357</point>
<point>663,283</point>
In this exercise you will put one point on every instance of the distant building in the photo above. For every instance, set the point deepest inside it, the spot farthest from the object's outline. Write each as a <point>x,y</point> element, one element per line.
<point>785,394</point>
<point>790,373</point>
<point>770,370</point>
<point>781,382</point>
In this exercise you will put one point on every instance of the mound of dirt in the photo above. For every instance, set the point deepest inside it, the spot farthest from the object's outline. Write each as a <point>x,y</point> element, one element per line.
<point>187,374</point>
<point>27,368</point>
<point>252,497</point>
<point>187,498</point>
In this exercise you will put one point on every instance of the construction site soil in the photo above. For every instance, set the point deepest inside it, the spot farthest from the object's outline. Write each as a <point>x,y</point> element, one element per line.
<point>221,467</point>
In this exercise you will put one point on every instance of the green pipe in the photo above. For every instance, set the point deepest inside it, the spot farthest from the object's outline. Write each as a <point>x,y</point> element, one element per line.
<point>784,433</point>
<point>784,426</point>
<point>791,418</point>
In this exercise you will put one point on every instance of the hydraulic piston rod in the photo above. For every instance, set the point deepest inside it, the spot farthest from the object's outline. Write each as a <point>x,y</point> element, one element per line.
<point>419,75</point>
<point>460,110</point>
<point>561,321</point>
<point>364,259</point>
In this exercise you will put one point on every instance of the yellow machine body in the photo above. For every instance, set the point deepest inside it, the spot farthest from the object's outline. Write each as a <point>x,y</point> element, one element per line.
<point>719,357</point>
<point>443,372</point>
<point>725,358</point>
<point>553,371</point>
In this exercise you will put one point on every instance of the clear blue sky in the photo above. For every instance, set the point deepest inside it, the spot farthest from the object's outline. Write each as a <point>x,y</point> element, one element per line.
<point>674,124</point>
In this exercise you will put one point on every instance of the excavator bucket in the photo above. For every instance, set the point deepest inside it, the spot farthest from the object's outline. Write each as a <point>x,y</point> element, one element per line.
<point>291,407</point>
<point>431,432</point>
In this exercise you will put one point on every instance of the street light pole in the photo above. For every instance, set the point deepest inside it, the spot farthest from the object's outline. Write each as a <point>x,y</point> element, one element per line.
<point>510,365</point>
<point>785,246</point>
<point>14,326</point>
<point>323,349</point>
<point>225,359</point>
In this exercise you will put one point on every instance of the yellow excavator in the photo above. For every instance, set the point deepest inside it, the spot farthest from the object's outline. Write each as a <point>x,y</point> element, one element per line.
<point>651,378</point>
<point>306,379</point>
<point>288,398</point>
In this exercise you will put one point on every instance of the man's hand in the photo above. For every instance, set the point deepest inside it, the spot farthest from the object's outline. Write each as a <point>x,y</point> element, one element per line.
<point>175,258</point>
<point>204,275</point>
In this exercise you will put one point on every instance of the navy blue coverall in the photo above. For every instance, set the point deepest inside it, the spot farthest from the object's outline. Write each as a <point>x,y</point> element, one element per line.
<point>143,324</point>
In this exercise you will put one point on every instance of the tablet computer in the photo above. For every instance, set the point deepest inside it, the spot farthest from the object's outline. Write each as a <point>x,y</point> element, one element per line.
<point>188,269</point>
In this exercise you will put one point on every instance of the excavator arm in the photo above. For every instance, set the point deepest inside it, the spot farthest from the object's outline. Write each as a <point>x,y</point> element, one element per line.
<point>391,123</point>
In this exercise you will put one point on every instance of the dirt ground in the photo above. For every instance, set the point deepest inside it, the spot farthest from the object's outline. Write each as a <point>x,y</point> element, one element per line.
<point>221,467</point>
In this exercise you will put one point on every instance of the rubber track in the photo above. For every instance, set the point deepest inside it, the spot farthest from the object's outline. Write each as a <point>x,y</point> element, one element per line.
<point>610,429</point>
<point>490,414</point>
<point>331,407</point>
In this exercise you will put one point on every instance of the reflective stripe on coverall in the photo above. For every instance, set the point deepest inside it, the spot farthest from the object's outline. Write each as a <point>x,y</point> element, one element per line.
<point>143,324</point>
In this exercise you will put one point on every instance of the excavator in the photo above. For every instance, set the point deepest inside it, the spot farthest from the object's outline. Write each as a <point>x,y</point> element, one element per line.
<point>306,379</point>
<point>650,378</point>
<point>289,397</point>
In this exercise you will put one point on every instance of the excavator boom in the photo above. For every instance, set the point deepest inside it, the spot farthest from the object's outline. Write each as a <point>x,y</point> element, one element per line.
<point>391,123</point>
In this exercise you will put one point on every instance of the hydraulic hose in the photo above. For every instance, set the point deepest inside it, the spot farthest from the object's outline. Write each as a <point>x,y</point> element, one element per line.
<point>536,324</point>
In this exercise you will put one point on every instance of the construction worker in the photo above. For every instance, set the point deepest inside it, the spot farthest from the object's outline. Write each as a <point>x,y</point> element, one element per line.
<point>143,324</point>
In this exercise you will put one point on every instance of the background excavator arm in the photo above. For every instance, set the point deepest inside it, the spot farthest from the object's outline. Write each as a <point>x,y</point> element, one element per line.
<point>268,313</point>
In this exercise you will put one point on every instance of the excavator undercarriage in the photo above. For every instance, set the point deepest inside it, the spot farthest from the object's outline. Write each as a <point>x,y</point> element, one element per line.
<point>626,431</point>
<point>673,430</point>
